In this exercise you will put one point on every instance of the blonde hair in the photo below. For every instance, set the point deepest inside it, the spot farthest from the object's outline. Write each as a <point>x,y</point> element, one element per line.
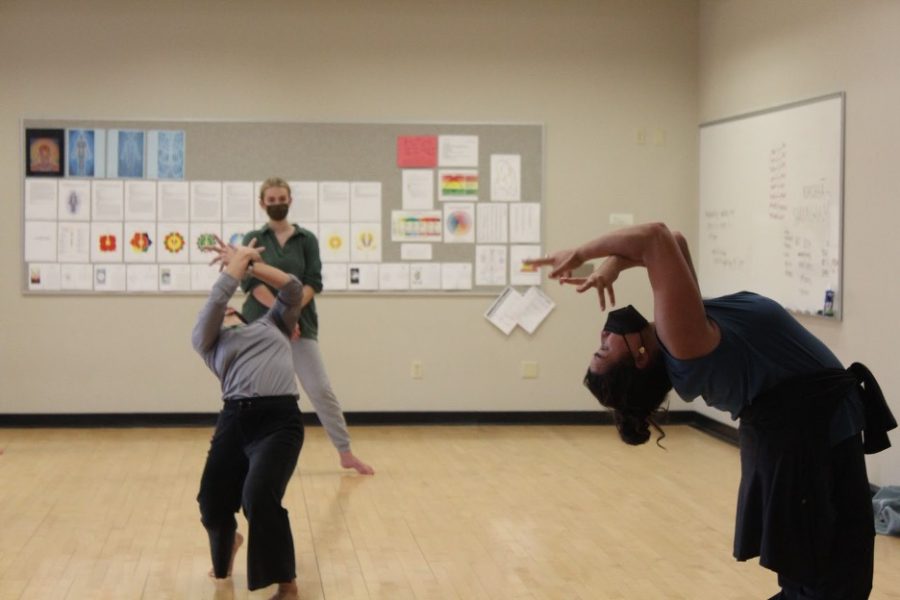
<point>273,182</point>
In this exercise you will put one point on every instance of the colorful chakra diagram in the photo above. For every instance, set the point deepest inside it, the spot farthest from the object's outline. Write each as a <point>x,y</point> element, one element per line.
<point>365,240</point>
<point>206,241</point>
<point>140,242</point>
<point>107,243</point>
<point>174,242</point>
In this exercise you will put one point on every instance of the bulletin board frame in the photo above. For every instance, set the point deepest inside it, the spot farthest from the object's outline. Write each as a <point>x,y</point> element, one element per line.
<point>244,152</point>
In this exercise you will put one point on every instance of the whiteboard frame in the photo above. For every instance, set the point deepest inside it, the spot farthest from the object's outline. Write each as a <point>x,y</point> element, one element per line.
<point>842,96</point>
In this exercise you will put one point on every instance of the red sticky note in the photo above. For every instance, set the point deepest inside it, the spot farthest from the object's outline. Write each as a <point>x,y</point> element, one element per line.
<point>417,151</point>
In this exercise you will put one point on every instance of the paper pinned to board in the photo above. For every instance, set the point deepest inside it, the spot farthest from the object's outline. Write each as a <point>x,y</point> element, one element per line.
<point>504,311</point>
<point>526,310</point>
<point>534,308</point>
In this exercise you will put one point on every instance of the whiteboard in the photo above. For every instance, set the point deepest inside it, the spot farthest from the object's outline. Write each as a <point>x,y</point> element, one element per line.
<point>771,196</point>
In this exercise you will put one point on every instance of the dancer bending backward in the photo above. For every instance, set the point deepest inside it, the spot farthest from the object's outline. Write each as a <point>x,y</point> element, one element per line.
<point>259,431</point>
<point>296,250</point>
<point>803,505</point>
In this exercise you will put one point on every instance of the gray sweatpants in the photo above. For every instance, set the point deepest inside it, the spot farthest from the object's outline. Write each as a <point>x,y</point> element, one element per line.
<point>310,369</point>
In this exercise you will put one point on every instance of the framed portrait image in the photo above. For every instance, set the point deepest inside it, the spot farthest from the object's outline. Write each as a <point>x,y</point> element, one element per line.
<point>45,152</point>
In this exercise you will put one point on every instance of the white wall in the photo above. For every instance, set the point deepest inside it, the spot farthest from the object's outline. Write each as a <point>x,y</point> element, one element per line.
<point>760,53</point>
<point>594,72</point>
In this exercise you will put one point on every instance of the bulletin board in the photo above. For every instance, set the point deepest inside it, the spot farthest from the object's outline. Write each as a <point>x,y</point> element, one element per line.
<point>771,204</point>
<point>125,207</point>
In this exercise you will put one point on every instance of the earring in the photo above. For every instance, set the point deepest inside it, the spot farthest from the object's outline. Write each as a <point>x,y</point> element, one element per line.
<point>641,350</point>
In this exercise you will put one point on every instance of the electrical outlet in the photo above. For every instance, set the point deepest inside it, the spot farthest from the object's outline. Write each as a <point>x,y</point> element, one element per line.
<point>659,137</point>
<point>529,369</point>
<point>417,369</point>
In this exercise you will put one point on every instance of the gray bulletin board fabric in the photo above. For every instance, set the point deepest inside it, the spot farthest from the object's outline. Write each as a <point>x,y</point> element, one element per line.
<point>296,151</point>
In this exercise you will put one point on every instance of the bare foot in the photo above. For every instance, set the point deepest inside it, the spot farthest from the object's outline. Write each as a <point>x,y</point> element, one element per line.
<point>238,540</point>
<point>287,591</point>
<point>349,461</point>
<point>224,589</point>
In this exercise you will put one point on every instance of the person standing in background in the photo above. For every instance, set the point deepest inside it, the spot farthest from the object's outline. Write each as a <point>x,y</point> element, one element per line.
<point>295,250</point>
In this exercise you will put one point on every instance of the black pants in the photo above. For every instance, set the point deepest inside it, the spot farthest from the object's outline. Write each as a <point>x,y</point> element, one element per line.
<point>251,458</point>
<point>850,563</point>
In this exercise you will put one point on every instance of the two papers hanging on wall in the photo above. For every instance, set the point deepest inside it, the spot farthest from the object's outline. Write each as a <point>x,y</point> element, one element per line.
<point>512,309</point>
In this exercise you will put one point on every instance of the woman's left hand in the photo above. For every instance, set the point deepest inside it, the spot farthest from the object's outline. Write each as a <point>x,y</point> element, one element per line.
<point>227,253</point>
<point>602,278</point>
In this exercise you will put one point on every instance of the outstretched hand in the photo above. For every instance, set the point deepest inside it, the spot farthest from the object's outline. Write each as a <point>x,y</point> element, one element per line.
<point>602,278</point>
<point>228,253</point>
<point>563,262</point>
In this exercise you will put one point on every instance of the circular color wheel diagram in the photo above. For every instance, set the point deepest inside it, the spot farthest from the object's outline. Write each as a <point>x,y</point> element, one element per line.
<point>459,223</point>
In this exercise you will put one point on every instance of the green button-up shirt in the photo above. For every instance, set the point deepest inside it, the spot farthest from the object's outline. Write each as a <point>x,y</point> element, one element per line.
<point>299,257</point>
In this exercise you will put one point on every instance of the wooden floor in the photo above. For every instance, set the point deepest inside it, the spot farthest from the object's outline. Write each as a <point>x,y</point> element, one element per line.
<point>464,513</point>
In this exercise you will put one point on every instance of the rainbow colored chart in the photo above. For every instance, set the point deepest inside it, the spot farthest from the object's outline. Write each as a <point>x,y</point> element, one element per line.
<point>416,226</point>
<point>462,184</point>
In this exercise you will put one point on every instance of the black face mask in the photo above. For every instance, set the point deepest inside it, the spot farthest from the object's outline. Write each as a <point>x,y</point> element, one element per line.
<point>277,212</point>
<point>625,320</point>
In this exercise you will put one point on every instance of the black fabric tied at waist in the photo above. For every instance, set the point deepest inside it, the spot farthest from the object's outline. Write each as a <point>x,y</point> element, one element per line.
<point>259,402</point>
<point>785,514</point>
<point>879,419</point>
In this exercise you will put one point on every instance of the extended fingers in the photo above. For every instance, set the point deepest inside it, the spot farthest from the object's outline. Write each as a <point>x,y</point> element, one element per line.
<point>538,262</point>
<point>602,298</point>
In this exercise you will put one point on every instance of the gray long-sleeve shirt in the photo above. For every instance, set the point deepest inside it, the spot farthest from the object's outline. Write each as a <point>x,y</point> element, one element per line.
<point>255,359</point>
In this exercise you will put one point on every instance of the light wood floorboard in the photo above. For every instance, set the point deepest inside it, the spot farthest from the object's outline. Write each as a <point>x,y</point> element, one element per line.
<point>453,513</point>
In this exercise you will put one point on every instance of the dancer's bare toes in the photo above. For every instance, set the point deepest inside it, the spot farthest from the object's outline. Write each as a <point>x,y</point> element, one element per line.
<point>287,591</point>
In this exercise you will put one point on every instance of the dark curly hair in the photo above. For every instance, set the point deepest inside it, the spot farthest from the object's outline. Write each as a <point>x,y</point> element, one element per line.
<point>634,395</point>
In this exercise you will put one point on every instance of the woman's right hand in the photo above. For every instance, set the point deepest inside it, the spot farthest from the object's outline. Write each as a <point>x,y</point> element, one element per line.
<point>562,261</point>
<point>251,252</point>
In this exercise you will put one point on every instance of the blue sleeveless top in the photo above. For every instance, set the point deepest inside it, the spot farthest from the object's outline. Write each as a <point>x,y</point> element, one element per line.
<point>761,346</point>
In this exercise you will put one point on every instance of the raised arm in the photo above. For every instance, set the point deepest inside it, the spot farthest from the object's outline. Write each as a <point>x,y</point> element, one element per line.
<point>686,253</point>
<point>236,261</point>
<point>681,321</point>
<point>607,272</point>
<point>312,277</point>
<point>289,301</point>
<point>209,321</point>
